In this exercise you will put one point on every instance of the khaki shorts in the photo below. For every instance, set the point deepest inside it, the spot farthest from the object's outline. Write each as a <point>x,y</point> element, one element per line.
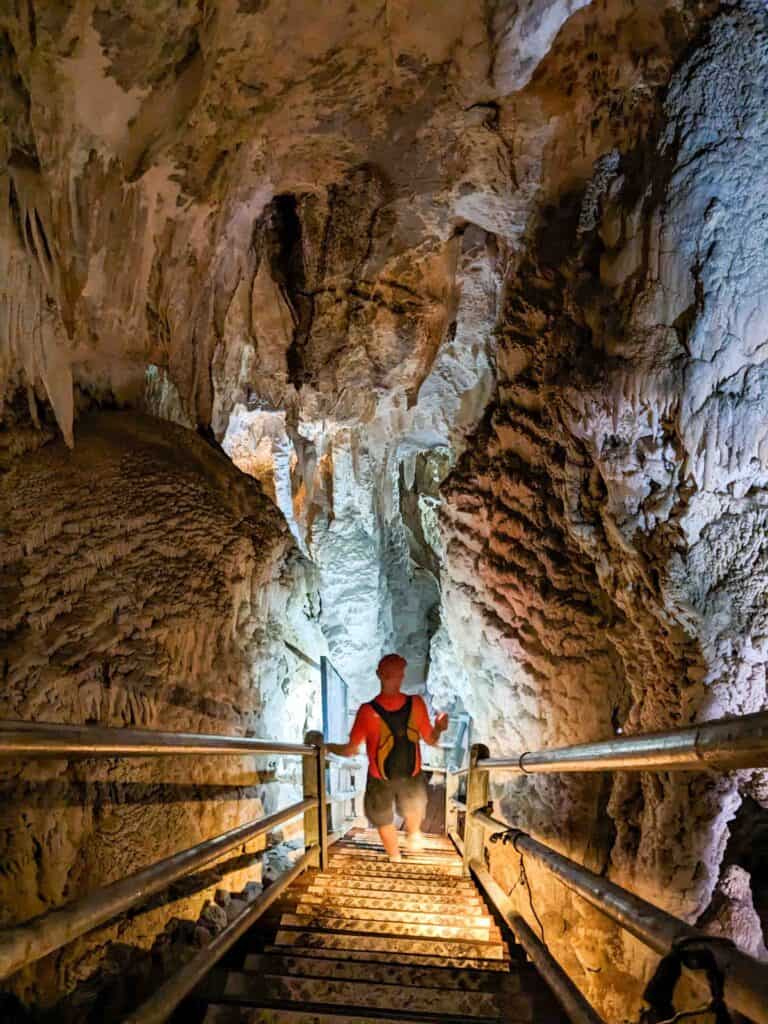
<point>408,795</point>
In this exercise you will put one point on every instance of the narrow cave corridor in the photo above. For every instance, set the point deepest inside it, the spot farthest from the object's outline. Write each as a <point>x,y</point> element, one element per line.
<point>332,333</point>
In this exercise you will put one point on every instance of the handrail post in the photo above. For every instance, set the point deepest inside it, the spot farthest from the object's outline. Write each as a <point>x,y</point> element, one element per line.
<point>477,798</point>
<point>324,690</point>
<point>316,820</point>
<point>451,789</point>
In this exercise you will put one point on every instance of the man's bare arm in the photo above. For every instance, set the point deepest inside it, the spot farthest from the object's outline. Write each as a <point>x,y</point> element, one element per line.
<point>343,749</point>
<point>441,724</point>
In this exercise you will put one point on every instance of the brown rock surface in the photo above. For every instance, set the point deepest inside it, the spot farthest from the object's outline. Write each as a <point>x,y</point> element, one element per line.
<point>137,594</point>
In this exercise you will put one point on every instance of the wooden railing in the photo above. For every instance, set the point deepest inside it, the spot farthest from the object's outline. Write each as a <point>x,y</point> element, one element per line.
<point>30,940</point>
<point>725,744</point>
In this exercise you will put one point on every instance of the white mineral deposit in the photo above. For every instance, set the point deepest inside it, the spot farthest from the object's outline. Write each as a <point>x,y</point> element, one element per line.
<point>337,329</point>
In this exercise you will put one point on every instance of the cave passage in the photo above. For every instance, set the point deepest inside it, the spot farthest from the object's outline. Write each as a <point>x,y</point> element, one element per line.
<point>333,332</point>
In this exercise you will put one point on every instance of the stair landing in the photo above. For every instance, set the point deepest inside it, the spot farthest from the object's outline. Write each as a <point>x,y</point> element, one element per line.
<point>368,940</point>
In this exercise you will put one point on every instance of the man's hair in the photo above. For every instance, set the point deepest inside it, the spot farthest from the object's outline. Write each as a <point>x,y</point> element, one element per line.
<point>390,659</point>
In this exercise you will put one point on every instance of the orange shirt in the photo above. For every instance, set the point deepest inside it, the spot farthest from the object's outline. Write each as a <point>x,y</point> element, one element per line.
<point>367,724</point>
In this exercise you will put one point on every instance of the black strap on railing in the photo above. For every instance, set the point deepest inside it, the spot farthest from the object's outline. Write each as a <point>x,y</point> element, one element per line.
<point>697,954</point>
<point>508,835</point>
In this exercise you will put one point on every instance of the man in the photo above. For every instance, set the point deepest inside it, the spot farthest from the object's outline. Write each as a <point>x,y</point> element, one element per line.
<point>391,726</point>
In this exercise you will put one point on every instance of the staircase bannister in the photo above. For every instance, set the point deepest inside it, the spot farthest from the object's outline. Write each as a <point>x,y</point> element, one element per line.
<point>746,979</point>
<point>50,739</point>
<point>24,943</point>
<point>477,799</point>
<point>31,940</point>
<point>316,818</point>
<point>175,989</point>
<point>570,998</point>
<point>724,744</point>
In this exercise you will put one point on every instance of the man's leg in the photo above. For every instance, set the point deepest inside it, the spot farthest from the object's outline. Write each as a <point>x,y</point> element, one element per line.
<point>414,837</point>
<point>388,835</point>
<point>379,800</point>
<point>412,805</point>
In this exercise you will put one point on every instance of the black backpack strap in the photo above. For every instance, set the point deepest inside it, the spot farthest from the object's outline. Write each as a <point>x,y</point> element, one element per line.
<point>383,713</point>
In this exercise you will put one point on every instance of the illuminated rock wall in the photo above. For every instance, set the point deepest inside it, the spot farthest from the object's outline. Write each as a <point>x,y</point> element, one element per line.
<point>146,583</point>
<point>520,248</point>
<point>605,533</point>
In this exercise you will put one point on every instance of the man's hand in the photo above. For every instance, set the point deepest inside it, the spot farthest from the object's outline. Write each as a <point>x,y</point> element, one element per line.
<point>441,724</point>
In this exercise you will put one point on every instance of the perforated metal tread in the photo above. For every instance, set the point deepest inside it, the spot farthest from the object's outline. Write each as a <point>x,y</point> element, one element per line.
<point>438,976</point>
<point>367,940</point>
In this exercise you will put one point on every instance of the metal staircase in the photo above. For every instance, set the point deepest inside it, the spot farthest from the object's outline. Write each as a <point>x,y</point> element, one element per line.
<point>344,936</point>
<point>368,940</point>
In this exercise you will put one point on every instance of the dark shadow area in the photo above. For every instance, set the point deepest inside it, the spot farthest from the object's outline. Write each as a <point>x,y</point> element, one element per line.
<point>748,847</point>
<point>128,974</point>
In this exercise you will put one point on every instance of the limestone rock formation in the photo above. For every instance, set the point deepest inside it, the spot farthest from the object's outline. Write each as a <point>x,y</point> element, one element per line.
<point>152,588</point>
<point>475,291</point>
<point>606,531</point>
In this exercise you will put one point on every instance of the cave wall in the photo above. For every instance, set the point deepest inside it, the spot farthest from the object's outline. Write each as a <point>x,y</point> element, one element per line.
<point>521,239</point>
<point>225,240</point>
<point>147,583</point>
<point>605,533</point>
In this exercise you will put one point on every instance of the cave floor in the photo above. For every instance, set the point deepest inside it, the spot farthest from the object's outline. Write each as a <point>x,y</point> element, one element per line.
<point>367,940</point>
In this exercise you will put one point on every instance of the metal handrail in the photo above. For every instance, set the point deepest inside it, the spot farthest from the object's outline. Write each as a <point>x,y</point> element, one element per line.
<point>167,997</point>
<point>457,841</point>
<point>360,760</point>
<point>29,941</point>
<point>50,739</point>
<point>572,1001</point>
<point>746,979</point>
<point>725,743</point>
<point>33,939</point>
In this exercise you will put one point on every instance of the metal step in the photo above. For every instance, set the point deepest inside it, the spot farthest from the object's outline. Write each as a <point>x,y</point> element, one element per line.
<point>429,855</point>
<point>370,837</point>
<point>450,888</point>
<point>243,987</point>
<point>386,955</point>
<point>328,924</point>
<point>360,866</point>
<point>394,908</point>
<point>368,941</point>
<point>438,858</point>
<point>383,973</point>
<point>432,947</point>
<point>224,1014</point>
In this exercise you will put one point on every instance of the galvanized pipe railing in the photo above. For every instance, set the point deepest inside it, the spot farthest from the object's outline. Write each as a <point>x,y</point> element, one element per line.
<point>164,1001</point>
<point>27,942</point>
<point>746,979</point>
<point>724,744</point>
<point>49,739</point>
<point>572,1001</point>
